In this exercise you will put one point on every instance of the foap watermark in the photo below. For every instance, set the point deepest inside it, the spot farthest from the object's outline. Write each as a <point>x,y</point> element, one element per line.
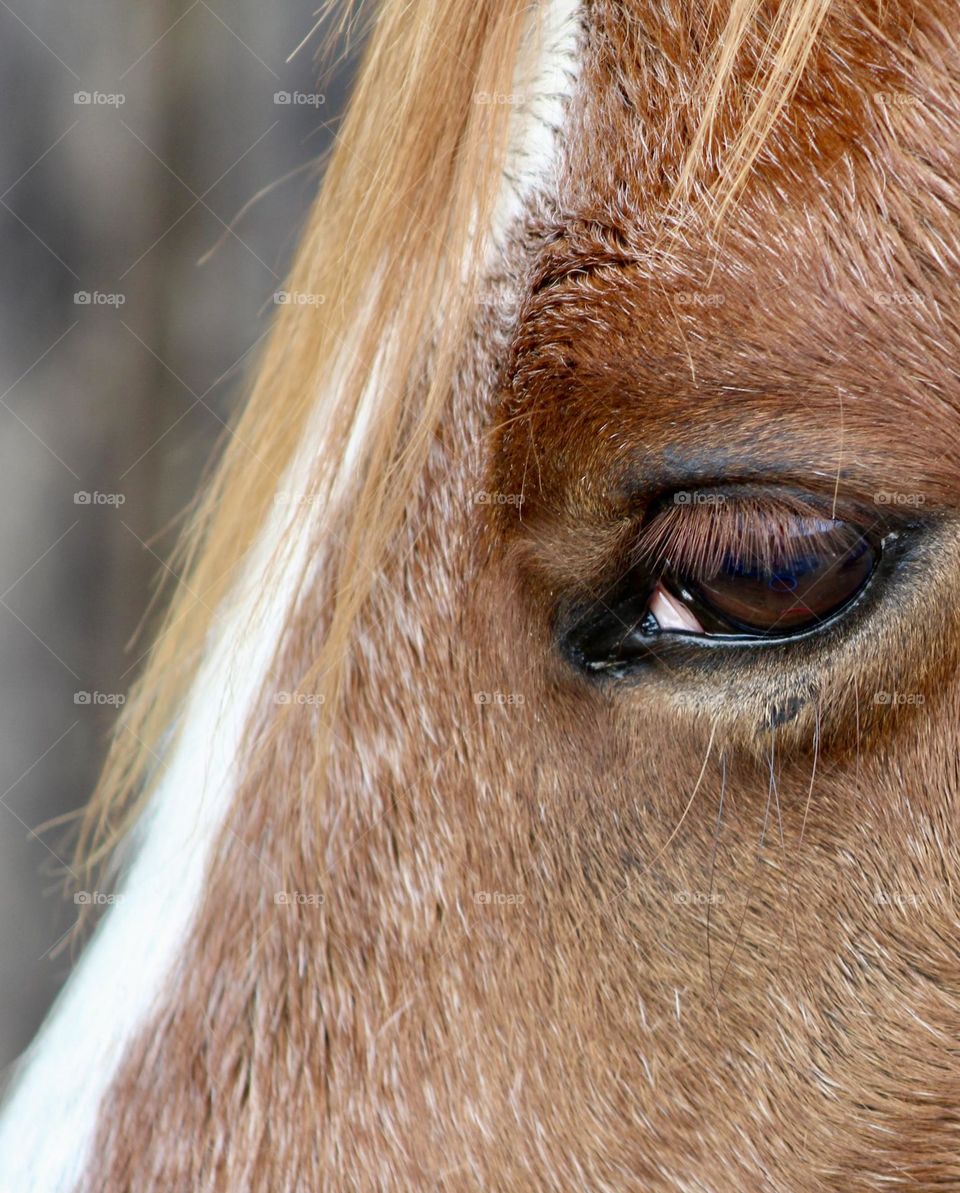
<point>698,497</point>
<point>499,698</point>
<point>897,699</point>
<point>887,497</point>
<point>98,298</point>
<point>299,99</point>
<point>84,497</point>
<point>897,99</point>
<point>900,298</point>
<point>111,698</point>
<point>299,899</point>
<point>288,500</point>
<point>297,298</point>
<point>99,99</point>
<point>314,699</point>
<point>485,498</point>
<point>700,298</point>
<point>499,899</point>
<point>698,898</point>
<point>506,99</point>
<point>96,898</point>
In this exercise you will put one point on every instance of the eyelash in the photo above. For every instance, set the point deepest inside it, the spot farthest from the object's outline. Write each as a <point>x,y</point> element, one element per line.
<point>697,536</point>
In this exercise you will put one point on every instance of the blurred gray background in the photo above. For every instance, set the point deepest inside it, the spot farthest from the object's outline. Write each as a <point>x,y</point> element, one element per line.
<point>133,135</point>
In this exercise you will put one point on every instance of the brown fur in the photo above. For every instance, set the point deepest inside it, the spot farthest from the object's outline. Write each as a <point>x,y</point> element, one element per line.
<point>671,993</point>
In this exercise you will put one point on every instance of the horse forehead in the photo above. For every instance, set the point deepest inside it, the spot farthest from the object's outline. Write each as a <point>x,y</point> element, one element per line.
<point>875,111</point>
<point>791,358</point>
<point>823,304</point>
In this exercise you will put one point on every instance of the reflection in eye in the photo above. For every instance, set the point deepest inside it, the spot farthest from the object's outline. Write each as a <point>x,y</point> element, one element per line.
<point>796,594</point>
<point>754,566</point>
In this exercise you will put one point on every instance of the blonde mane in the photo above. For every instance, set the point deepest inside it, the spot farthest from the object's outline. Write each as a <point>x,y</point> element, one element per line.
<point>392,246</point>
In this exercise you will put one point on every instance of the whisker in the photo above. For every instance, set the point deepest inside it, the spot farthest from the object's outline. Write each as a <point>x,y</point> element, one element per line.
<point>856,773</point>
<point>776,791</point>
<point>713,862</point>
<point>696,787</point>
<point>836,486</point>
<point>750,889</point>
<point>803,824</point>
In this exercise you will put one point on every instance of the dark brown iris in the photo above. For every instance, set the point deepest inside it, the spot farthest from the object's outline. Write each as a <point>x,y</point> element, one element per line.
<point>815,568</point>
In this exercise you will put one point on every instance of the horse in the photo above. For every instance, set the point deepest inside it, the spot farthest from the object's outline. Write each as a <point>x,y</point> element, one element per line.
<point>544,775</point>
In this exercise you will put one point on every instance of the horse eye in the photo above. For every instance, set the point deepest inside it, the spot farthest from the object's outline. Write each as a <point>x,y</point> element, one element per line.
<point>751,567</point>
<point>814,568</point>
